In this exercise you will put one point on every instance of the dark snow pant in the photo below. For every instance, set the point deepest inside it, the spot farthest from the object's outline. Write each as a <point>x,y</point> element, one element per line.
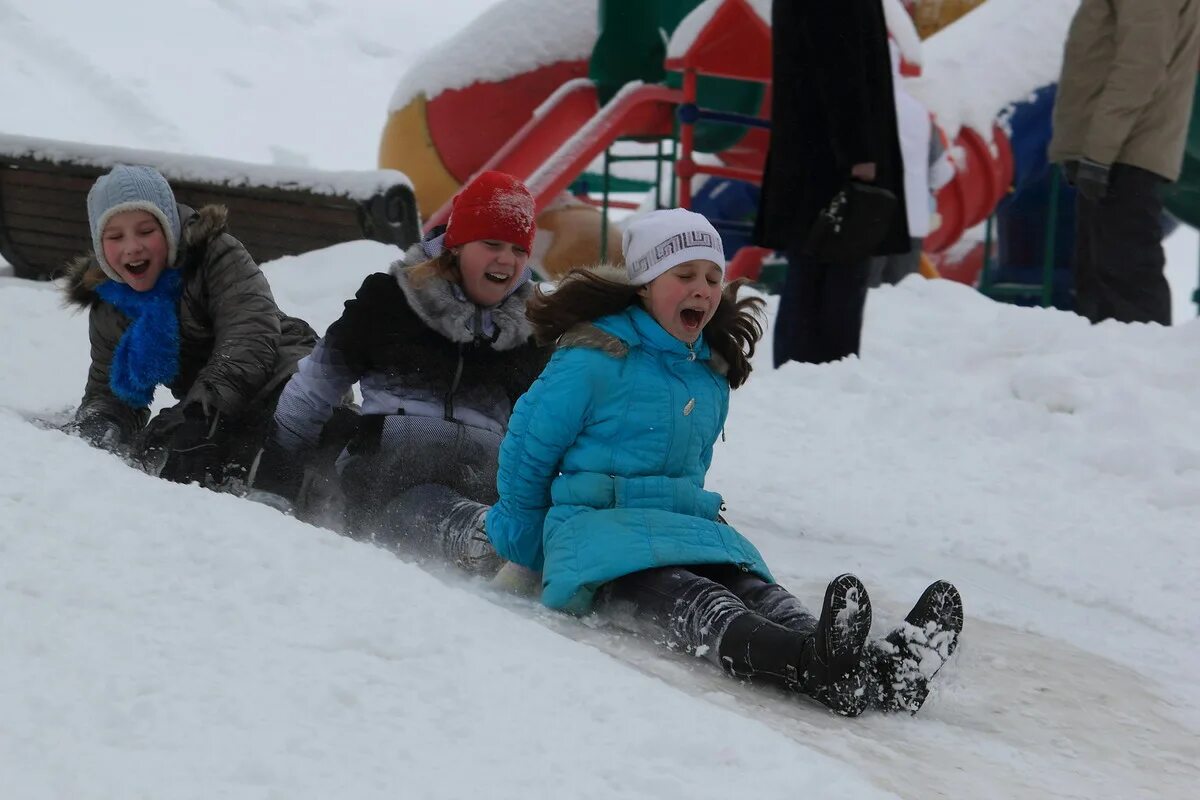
<point>896,267</point>
<point>392,454</point>
<point>435,522</point>
<point>820,310</point>
<point>692,608</point>
<point>1118,251</point>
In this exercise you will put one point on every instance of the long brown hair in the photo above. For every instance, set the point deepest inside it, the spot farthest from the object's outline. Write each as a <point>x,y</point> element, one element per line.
<point>444,265</point>
<point>584,295</point>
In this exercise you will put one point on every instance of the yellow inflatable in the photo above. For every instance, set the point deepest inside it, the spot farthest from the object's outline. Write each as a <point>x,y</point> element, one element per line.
<point>933,15</point>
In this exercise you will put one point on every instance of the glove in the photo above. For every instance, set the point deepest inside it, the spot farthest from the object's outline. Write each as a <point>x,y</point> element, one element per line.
<point>193,451</point>
<point>100,431</point>
<point>1091,179</point>
<point>279,472</point>
<point>156,436</point>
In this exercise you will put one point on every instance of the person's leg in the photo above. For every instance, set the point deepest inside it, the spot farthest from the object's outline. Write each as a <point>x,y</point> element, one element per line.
<point>696,614</point>
<point>769,600</point>
<point>796,325</point>
<point>878,271</point>
<point>1129,257</point>
<point>899,266</point>
<point>840,315</point>
<point>1087,290</point>
<point>845,600</point>
<point>432,521</point>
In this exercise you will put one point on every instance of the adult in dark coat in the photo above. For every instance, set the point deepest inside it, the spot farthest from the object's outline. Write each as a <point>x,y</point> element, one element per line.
<point>832,117</point>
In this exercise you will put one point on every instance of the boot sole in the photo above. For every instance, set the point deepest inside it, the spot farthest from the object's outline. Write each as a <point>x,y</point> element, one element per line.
<point>919,648</point>
<point>849,606</point>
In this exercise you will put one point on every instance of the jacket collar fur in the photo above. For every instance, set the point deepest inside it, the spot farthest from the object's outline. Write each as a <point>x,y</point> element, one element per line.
<point>84,274</point>
<point>440,308</point>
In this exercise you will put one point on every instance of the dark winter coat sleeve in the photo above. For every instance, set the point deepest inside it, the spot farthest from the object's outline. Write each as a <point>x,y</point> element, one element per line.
<point>246,329</point>
<point>105,326</point>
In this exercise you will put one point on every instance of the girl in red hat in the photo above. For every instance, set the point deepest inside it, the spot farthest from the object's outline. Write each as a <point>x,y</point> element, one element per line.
<point>441,350</point>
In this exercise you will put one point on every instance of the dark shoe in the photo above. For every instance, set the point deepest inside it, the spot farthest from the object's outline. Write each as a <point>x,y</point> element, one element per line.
<point>902,664</point>
<point>822,664</point>
<point>841,634</point>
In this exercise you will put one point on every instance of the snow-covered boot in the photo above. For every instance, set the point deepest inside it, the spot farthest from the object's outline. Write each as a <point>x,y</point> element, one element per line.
<point>901,665</point>
<point>822,664</point>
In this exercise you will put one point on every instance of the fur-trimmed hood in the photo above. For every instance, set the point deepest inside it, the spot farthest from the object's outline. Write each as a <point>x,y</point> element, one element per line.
<point>83,274</point>
<point>440,305</point>
<point>587,334</point>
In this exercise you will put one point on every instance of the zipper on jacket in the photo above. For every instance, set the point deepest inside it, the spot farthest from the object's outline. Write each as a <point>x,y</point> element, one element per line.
<point>458,370</point>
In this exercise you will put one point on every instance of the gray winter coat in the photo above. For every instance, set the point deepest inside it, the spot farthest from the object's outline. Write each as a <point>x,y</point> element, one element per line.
<point>1129,72</point>
<point>236,346</point>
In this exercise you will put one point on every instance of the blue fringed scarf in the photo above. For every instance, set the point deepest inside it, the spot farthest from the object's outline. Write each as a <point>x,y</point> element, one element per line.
<point>148,353</point>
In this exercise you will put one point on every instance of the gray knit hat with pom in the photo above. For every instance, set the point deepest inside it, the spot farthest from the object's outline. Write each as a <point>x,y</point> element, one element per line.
<point>130,188</point>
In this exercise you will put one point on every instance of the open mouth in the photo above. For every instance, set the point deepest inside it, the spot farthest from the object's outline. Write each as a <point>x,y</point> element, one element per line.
<point>137,267</point>
<point>691,317</point>
<point>497,277</point>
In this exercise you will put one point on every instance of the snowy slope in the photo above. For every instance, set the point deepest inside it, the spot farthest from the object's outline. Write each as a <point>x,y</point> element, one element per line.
<point>242,653</point>
<point>163,641</point>
<point>289,82</point>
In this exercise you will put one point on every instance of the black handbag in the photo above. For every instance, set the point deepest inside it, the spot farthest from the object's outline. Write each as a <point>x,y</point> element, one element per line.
<point>852,225</point>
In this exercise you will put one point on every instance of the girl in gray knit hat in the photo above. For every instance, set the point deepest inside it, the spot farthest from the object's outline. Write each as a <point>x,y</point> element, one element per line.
<point>175,301</point>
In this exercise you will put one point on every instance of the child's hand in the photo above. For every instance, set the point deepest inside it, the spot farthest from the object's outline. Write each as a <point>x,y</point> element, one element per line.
<point>159,430</point>
<point>187,436</point>
<point>515,579</point>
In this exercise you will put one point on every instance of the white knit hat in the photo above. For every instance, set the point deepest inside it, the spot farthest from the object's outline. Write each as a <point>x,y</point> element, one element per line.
<point>659,240</point>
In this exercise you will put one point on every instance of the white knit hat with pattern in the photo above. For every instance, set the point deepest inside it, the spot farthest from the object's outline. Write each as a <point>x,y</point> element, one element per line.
<point>656,241</point>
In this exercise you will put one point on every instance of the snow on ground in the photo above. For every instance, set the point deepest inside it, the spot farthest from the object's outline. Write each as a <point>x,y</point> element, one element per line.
<point>168,641</point>
<point>165,641</point>
<point>286,82</point>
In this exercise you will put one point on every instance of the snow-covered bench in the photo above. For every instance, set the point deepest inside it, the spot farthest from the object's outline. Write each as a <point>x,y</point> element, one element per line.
<point>274,211</point>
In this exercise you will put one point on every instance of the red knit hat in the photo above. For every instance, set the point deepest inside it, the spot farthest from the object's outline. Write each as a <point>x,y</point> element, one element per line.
<point>494,205</point>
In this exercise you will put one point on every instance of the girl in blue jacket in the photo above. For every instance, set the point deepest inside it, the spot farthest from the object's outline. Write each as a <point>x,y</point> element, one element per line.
<point>601,475</point>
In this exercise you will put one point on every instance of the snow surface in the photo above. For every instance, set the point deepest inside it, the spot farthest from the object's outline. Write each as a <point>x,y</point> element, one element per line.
<point>287,82</point>
<point>998,54</point>
<point>167,641</point>
<point>164,641</point>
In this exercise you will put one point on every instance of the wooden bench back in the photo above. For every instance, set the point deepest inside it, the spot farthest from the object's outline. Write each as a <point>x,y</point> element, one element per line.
<point>43,212</point>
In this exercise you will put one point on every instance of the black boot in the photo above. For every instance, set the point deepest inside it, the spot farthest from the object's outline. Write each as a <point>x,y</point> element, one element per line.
<point>755,649</point>
<point>901,665</point>
<point>841,631</point>
<point>821,664</point>
<point>836,681</point>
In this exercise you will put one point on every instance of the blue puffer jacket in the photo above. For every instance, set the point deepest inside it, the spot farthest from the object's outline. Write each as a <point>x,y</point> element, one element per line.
<point>602,469</point>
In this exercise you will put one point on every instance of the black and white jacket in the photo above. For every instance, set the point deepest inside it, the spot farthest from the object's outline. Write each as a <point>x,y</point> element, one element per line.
<point>423,351</point>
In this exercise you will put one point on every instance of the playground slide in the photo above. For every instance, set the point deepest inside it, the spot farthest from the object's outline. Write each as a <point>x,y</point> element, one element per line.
<point>570,130</point>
